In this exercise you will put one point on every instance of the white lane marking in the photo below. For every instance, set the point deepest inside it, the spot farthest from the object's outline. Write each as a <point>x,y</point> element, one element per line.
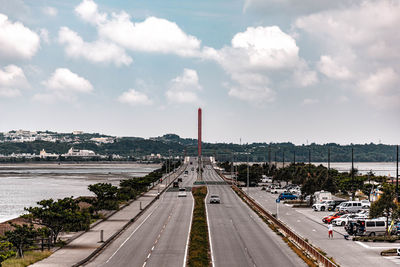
<point>126,240</point>
<point>209,231</point>
<point>144,264</point>
<point>190,229</point>
<point>287,205</point>
<point>313,230</point>
<point>395,260</point>
<point>368,247</point>
<point>148,256</point>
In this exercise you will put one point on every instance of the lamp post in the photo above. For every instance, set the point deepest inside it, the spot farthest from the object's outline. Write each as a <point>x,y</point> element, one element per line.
<point>248,178</point>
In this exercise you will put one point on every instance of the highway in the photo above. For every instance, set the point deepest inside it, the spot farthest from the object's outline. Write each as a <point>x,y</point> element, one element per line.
<point>238,236</point>
<point>159,237</point>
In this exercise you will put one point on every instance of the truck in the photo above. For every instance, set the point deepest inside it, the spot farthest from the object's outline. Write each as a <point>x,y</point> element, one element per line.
<point>322,195</point>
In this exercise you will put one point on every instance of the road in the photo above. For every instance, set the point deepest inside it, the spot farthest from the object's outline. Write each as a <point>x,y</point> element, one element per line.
<point>308,224</point>
<point>159,237</point>
<point>238,236</point>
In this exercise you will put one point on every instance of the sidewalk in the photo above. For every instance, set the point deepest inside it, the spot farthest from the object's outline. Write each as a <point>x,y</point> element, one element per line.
<point>89,241</point>
<point>308,224</point>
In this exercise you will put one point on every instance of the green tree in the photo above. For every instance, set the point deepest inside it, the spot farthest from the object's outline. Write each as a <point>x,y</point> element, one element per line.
<point>22,237</point>
<point>5,251</point>
<point>385,205</point>
<point>106,196</point>
<point>61,215</point>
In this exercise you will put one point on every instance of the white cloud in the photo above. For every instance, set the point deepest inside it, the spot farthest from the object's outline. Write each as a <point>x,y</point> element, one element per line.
<point>65,80</point>
<point>183,88</point>
<point>98,52</point>
<point>44,35</point>
<point>293,6</point>
<point>310,101</point>
<point>151,35</point>
<point>254,60</point>
<point>88,11</point>
<point>134,98</point>
<point>50,11</point>
<point>16,40</point>
<point>12,78</point>
<point>360,43</point>
<point>63,85</point>
<point>381,88</point>
<point>331,69</point>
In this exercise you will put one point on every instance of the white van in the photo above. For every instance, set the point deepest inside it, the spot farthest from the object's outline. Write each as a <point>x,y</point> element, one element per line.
<point>375,227</point>
<point>351,206</point>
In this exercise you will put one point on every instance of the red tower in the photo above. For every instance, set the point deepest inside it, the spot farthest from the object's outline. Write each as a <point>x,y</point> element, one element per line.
<point>199,132</point>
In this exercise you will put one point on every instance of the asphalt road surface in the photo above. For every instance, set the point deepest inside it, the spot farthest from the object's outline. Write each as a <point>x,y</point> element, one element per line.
<point>159,237</point>
<point>238,236</point>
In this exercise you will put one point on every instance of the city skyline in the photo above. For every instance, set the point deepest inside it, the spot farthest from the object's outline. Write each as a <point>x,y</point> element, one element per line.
<point>260,71</point>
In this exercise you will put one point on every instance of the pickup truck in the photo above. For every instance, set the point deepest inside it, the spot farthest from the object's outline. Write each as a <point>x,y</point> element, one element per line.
<point>287,195</point>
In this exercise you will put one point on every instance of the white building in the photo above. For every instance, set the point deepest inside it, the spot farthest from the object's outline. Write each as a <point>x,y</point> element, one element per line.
<point>43,154</point>
<point>72,152</point>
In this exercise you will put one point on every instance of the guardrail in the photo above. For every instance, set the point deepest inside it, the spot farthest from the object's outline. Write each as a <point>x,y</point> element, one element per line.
<point>131,221</point>
<point>311,250</point>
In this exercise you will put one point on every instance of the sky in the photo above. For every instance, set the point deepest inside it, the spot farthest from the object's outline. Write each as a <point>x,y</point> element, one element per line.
<point>262,70</point>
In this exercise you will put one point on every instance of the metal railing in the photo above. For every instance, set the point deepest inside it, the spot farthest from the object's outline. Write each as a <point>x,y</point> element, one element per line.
<point>311,250</point>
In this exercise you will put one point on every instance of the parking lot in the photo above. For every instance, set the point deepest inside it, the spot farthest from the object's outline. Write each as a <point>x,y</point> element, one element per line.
<point>309,225</point>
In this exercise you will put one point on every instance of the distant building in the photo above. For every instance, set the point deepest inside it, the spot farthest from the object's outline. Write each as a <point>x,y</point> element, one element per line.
<point>103,140</point>
<point>72,152</point>
<point>43,154</point>
<point>77,132</point>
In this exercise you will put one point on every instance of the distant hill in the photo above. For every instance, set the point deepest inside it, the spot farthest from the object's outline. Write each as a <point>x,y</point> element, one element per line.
<point>175,145</point>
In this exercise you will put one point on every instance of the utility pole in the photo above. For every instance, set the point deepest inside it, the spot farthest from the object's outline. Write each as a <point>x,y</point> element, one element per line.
<point>353,193</point>
<point>397,172</point>
<point>329,163</point>
<point>232,167</point>
<point>248,179</point>
<point>309,161</point>
<point>269,157</point>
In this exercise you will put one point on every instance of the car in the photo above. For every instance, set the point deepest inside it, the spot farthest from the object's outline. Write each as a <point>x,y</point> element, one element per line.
<point>322,206</point>
<point>175,184</point>
<point>214,199</point>
<point>331,217</point>
<point>287,195</point>
<point>335,203</point>
<point>351,206</point>
<point>345,218</point>
<point>180,179</point>
<point>182,192</point>
<point>398,252</point>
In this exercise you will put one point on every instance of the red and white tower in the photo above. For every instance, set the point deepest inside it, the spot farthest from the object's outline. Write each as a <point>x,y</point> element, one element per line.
<point>200,167</point>
<point>199,132</point>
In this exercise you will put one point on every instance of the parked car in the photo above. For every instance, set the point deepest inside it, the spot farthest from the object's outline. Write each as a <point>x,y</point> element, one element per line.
<point>351,206</point>
<point>345,218</point>
<point>214,199</point>
<point>398,252</point>
<point>179,179</point>
<point>287,195</point>
<point>365,203</point>
<point>277,190</point>
<point>175,184</point>
<point>182,192</point>
<point>331,217</point>
<point>334,204</point>
<point>323,205</point>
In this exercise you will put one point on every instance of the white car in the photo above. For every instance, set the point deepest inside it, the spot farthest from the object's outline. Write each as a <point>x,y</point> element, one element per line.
<point>320,206</point>
<point>344,219</point>
<point>182,192</point>
<point>398,252</point>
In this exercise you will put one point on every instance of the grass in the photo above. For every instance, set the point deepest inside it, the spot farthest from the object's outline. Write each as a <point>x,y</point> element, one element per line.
<point>30,257</point>
<point>199,246</point>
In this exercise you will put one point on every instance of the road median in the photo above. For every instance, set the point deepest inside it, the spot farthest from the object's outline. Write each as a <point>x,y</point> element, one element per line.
<point>199,245</point>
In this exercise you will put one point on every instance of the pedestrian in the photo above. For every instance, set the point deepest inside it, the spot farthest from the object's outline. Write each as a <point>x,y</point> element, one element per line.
<point>330,230</point>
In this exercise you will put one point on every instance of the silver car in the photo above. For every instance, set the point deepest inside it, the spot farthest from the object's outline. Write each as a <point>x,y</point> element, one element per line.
<point>215,199</point>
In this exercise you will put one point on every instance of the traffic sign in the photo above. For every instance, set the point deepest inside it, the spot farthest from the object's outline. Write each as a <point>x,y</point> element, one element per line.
<point>278,200</point>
